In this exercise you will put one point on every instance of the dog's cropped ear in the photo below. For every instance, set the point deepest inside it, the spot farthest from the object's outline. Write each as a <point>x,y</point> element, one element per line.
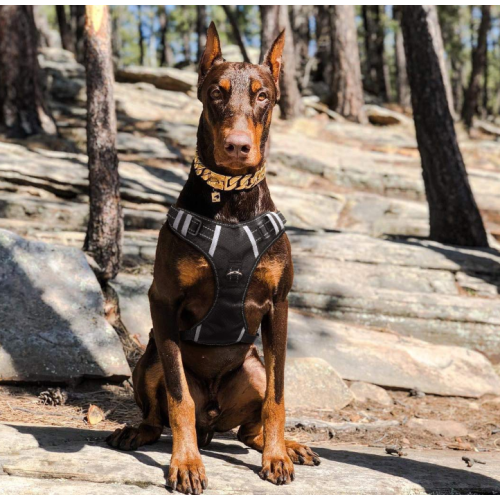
<point>273,59</point>
<point>212,54</point>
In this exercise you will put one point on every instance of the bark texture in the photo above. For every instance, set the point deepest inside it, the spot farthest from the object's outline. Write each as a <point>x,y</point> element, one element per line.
<point>402,86</point>
<point>346,86</point>
<point>454,216</point>
<point>478,67</point>
<point>437,41</point>
<point>23,110</point>
<point>236,32</point>
<point>275,18</point>
<point>105,228</point>
<point>201,29</point>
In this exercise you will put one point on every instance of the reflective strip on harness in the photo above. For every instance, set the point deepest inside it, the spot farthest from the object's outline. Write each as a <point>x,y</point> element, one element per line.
<point>252,241</point>
<point>177,220</point>
<point>185,227</point>
<point>277,217</point>
<point>215,239</point>
<point>197,335</point>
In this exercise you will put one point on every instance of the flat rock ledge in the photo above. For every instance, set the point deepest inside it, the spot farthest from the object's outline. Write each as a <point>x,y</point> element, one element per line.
<point>73,461</point>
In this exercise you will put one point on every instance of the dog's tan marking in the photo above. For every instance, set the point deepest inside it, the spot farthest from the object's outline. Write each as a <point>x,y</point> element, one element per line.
<point>225,84</point>
<point>191,270</point>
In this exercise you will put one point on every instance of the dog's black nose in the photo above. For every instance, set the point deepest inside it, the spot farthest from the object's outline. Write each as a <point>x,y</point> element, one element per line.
<point>238,144</point>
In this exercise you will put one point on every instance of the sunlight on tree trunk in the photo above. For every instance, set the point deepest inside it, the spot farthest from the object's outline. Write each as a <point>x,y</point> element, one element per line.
<point>105,228</point>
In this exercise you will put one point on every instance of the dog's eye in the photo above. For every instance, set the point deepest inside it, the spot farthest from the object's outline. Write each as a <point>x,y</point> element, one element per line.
<point>215,94</point>
<point>262,96</point>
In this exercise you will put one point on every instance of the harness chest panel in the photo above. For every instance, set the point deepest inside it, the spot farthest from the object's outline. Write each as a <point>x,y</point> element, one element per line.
<point>233,251</point>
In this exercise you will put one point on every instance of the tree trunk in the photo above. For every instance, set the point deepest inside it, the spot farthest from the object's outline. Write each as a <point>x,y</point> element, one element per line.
<point>141,35</point>
<point>78,15</point>
<point>64,29</point>
<point>201,29</point>
<point>378,82</point>
<point>23,110</point>
<point>478,64</point>
<point>437,41</point>
<point>165,52</point>
<point>347,89</point>
<point>323,44</point>
<point>403,88</point>
<point>116,39</point>
<point>236,32</point>
<point>275,19</point>
<point>299,21</point>
<point>454,216</point>
<point>105,228</point>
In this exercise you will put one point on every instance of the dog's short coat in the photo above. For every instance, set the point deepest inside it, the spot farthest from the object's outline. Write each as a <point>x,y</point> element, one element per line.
<point>198,390</point>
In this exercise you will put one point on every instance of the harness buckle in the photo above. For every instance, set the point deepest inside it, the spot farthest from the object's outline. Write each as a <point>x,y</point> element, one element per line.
<point>198,225</point>
<point>264,231</point>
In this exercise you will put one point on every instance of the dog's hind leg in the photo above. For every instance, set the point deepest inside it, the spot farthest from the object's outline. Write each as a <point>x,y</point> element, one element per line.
<point>148,388</point>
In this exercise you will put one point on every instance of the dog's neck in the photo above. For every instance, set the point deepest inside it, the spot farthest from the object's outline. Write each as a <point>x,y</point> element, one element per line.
<point>234,206</point>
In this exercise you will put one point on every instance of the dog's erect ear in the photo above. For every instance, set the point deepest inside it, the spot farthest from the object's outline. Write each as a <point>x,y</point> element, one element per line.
<point>212,54</point>
<point>273,59</point>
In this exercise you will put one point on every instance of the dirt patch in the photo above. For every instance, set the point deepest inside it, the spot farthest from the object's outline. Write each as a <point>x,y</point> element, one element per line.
<point>481,417</point>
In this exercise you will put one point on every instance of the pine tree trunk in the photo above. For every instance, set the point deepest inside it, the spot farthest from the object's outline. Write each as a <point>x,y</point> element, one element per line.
<point>236,32</point>
<point>437,40</point>
<point>105,228</point>
<point>323,44</point>
<point>141,35</point>
<point>78,15</point>
<point>299,20</point>
<point>478,64</point>
<point>347,89</point>
<point>201,29</point>
<point>165,55</point>
<point>23,110</point>
<point>64,29</point>
<point>454,216</point>
<point>403,88</point>
<point>377,81</point>
<point>275,19</point>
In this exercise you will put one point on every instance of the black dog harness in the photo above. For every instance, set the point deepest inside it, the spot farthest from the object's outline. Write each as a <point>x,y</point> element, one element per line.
<point>233,250</point>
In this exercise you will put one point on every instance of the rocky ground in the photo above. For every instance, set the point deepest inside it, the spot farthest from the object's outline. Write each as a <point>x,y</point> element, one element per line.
<point>377,309</point>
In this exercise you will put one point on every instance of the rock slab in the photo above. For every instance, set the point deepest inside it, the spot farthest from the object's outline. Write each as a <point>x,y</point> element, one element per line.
<point>52,326</point>
<point>313,383</point>
<point>390,359</point>
<point>232,468</point>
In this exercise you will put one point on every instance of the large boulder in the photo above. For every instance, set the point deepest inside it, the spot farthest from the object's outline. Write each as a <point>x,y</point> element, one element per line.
<point>313,383</point>
<point>52,309</point>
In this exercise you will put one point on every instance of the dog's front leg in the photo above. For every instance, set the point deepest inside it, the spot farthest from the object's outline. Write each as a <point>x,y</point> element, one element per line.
<point>277,466</point>
<point>186,473</point>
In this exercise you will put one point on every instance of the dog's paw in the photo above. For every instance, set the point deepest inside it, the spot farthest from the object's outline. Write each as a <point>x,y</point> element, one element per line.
<point>187,476</point>
<point>301,454</point>
<point>125,439</point>
<point>277,469</point>
<point>131,438</point>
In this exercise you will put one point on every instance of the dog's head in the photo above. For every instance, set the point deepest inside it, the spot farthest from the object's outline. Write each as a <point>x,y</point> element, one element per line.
<point>238,99</point>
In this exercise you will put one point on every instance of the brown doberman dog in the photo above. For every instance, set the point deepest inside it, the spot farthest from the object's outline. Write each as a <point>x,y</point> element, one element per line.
<point>197,389</point>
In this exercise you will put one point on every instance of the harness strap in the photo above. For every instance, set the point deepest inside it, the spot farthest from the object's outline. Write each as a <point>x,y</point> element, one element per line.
<point>233,251</point>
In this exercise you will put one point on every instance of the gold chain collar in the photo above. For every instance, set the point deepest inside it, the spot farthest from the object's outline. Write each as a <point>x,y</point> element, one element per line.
<point>228,182</point>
